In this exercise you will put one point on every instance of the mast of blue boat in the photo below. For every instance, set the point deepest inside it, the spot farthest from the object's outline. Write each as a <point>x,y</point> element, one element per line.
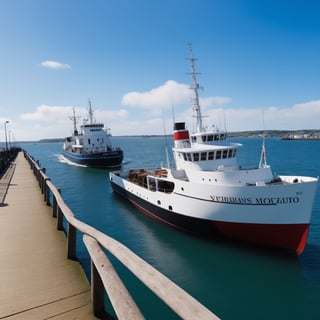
<point>74,119</point>
<point>90,113</point>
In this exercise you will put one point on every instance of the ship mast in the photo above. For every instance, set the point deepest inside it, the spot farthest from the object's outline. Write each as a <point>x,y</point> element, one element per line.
<point>74,119</point>
<point>90,113</point>
<point>195,87</point>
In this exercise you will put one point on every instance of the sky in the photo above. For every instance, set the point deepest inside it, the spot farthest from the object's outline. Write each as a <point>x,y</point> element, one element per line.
<point>258,64</point>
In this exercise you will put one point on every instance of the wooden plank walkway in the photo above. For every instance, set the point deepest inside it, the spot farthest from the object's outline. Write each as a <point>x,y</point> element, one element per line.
<point>37,281</point>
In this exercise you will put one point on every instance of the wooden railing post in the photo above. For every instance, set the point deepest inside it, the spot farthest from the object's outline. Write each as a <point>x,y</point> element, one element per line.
<point>71,242</point>
<point>104,276</point>
<point>42,179</point>
<point>55,205</point>
<point>46,192</point>
<point>59,219</point>
<point>97,292</point>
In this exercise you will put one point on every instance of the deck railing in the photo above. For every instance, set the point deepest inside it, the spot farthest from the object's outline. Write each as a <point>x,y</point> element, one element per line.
<point>104,277</point>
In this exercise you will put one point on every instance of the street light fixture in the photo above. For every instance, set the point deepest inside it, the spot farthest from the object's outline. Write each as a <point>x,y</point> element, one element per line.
<point>5,132</point>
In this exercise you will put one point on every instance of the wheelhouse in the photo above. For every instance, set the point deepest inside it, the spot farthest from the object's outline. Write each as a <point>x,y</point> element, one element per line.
<point>208,137</point>
<point>208,155</point>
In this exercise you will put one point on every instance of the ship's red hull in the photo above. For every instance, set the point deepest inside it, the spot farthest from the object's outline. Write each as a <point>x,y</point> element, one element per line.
<point>289,236</point>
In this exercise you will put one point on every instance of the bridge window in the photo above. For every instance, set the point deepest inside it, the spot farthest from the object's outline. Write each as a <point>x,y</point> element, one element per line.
<point>218,154</point>
<point>189,157</point>
<point>196,156</point>
<point>210,155</point>
<point>225,154</point>
<point>203,156</point>
<point>216,137</point>
<point>210,138</point>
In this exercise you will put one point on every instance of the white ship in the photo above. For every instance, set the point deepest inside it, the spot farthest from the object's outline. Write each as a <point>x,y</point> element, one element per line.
<point>91,146</point>
<point>208,192</point>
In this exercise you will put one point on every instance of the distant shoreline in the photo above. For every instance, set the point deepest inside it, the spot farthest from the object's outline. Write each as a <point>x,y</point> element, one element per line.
<point>283,134</point>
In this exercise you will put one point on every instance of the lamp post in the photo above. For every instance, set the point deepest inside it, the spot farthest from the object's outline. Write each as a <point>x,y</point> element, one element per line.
<point>5,132</point>
<point>9,139</point>
<point>13,140</point>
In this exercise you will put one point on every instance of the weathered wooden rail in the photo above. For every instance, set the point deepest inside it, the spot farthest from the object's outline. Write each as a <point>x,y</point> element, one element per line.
<point>104,277</point>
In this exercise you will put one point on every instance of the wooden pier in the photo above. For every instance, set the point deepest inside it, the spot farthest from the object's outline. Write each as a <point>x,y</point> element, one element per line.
<point>39,275</point>
<point>37,281</point>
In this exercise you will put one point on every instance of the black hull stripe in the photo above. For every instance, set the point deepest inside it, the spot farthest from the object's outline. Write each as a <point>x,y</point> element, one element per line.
<point>186,223</point>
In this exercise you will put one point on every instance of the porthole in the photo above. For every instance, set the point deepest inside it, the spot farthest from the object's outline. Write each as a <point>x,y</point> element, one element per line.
<point>182,189</point>
<point>159,202</point>
<point>170,208</point>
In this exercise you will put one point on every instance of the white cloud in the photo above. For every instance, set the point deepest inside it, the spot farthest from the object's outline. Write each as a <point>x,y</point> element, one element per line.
<point>308,109</point>
<point>55,121</point>
<point>62,114</point>
<point>167,95</point>
<point>211,101</point>
<point>54,65</point>
<point>297,117</point>
<point>164,96</point>
<point>48,114</point>
<point>109,115</point>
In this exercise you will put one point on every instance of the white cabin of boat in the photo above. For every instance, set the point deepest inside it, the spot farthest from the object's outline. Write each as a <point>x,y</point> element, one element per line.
<point>93,137</point>
<point>204,151</point>
<point>207,157</point>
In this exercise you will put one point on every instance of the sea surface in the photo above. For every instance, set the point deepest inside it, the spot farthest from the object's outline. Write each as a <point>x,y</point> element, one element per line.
<point>233,280</point>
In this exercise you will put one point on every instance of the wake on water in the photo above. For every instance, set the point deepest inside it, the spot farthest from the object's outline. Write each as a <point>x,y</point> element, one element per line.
<point>62,159</point>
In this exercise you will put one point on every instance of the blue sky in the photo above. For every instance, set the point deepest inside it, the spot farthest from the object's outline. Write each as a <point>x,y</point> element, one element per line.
<point>257,59</point>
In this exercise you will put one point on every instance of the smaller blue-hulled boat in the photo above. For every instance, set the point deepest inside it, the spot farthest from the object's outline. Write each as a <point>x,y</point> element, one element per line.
<point>91,146</point>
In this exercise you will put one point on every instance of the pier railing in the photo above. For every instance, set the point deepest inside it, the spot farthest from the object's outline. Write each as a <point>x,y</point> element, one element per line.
<point>6,157</point>
<point>104,277</point>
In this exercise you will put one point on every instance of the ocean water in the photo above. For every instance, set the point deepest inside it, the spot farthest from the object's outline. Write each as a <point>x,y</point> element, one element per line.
<point>235,281</point>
